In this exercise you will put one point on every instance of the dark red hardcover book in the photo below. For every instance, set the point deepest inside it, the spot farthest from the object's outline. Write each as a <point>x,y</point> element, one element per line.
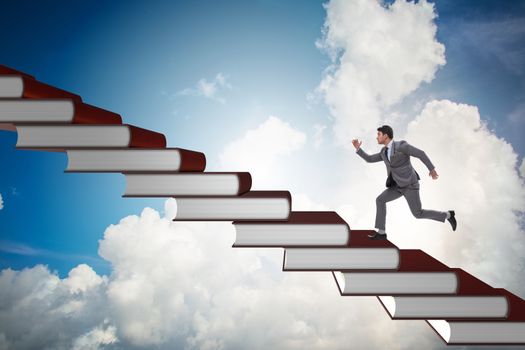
<point>360,239</point>
<point>7,127</point>
<point>302,217</point>
<point>144,138</point>
<point>416,260</point>
<point>470,285</point>
<point>10,71</point>
<point>88,114</point>
<point>195,161</point>
<point>244,179</point>
<point>35,89</point>
<point>516,306</point>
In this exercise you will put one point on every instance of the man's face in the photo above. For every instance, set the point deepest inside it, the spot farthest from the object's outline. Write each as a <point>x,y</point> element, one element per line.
<point>381,138</point>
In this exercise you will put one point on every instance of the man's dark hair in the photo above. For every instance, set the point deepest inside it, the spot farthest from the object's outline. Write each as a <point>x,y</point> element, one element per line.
<point>385,129</point>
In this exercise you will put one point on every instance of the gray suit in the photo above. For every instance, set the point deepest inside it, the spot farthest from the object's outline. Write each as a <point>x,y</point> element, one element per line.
<point>406,181</point>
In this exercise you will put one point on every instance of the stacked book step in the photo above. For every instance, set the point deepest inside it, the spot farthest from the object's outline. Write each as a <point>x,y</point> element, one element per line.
<point>409,284</point>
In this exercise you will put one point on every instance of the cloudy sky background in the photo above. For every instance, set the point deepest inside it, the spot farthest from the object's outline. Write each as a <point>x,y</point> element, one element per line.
<point>277,89</point>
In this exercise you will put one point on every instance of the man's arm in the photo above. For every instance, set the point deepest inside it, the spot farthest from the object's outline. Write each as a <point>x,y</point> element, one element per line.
<point>369,158</point>
<point>416,152</point>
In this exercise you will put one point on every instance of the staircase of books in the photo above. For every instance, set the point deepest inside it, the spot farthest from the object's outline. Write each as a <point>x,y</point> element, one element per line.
<point>409,283</point>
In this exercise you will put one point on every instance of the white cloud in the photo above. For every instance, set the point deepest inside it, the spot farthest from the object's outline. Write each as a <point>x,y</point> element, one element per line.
<point>318,135</point>
<point>181,285</point>
<point>208,89</point>
<point>40,310</point>
<point>259,150</point>
<point>97,337</point>
<point>380,54</point>
<point>478,179</point>
<point>522,168</point>
<point>1,202</point>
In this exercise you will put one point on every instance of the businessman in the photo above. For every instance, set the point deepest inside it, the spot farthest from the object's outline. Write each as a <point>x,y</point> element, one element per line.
<point>402,179</point>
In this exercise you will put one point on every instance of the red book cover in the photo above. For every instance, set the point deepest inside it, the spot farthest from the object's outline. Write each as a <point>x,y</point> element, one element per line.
<point>416,260</point>
<point>360,239</point>
<point>35,89</point>
<point>10,71</point>
<point>88,114</point>
<point>193,161</point>
<point>303,218</point>
<point>143,138</point>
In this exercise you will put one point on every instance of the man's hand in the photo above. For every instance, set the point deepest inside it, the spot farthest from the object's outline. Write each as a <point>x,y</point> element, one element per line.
<point>356,143</point>
<point>434,174</point>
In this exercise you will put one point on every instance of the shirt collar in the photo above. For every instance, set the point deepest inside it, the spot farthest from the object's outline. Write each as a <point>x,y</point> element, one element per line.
<point>390,143</point>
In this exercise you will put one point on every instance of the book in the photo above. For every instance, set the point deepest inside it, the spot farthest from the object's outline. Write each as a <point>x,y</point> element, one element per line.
<point>313,228</point>
<point>7,127</point>
<point>20,86</point>
<point>480,333</point>
<point>359,253</point>
<point>18,111</point>
<point>86,136</point>
<point>187,184</point>
<point>510,331</point>
<point>253,205</point>
<point>135,160</point>
<point>4,70</point>
<point>418,273</point>
<point>484,303</point>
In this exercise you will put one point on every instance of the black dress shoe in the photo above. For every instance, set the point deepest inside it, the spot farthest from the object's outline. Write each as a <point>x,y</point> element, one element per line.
<point>452,220</point>
<point>377,236</point>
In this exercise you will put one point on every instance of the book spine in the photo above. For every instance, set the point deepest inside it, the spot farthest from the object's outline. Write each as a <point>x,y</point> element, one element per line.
<point>7,127</point>
<point>88,114</point>
<point>36,89</point>
<point>143,138</point>
<point>468,284</point>
<point>10,71</point>
<point>245,182</point>
<point>192,161</point>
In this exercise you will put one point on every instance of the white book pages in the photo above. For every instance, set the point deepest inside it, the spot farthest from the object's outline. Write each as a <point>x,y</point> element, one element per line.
<point>71,136</point>
<point>123,160</point>
<point>480,332</point>
<point>380,283</point>
<point>11,86</point>
<point>36,111</point>
<point>428,307</point>
<point>340,258</point>
<point>230,209</point>
<point>168,185</point>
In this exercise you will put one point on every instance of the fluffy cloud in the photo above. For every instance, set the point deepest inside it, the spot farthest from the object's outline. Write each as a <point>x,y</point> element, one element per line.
<point>208,89</point>
<point>181,285</point>
<point>380,54</point>
<point>478,179</point>
<point>259,150</point>
<point>522,168</point>
<point>96,338</point>
<point>40,310</point>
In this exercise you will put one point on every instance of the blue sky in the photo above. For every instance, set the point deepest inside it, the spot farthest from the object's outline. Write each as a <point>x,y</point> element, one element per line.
<point>145,61</point>
<point>133,58</point>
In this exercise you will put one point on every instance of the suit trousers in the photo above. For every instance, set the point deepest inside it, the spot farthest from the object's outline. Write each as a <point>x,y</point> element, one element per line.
<point>411,194</point>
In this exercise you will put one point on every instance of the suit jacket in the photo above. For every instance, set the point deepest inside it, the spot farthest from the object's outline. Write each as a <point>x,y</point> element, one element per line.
<point>399,166</point>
